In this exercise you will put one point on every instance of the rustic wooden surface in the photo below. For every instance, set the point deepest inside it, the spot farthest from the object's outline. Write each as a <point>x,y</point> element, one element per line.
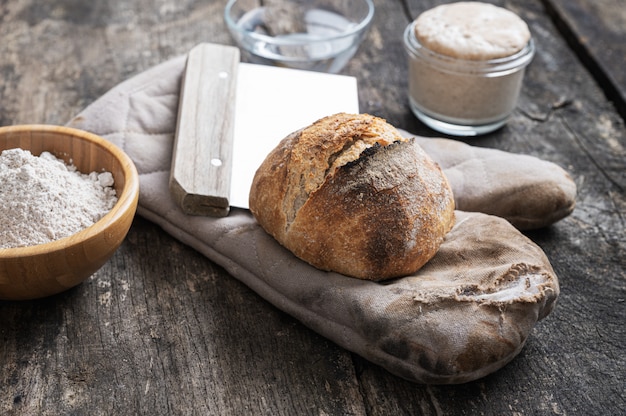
<point>596,30</point>
<point>161,330</point>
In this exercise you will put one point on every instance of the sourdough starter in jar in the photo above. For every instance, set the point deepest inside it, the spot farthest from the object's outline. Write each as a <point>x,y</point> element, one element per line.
<point>466,66</point>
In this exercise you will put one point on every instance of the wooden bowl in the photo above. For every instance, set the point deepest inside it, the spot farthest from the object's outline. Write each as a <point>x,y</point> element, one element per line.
<point>46,269</point>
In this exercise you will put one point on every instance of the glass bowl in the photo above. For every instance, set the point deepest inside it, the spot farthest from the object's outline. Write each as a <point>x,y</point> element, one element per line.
<point>316,35</point>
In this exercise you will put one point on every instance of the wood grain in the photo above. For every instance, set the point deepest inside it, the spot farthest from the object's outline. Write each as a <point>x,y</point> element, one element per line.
<point>36,271</point>
<point>161,330</point>
<point>202,159</point>
<point>596,31</point>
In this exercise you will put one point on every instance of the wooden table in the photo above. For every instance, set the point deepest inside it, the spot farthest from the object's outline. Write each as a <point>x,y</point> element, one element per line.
<point>161,330</point>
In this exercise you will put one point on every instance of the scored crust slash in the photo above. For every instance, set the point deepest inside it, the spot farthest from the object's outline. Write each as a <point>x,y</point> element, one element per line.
<point>349,194</point>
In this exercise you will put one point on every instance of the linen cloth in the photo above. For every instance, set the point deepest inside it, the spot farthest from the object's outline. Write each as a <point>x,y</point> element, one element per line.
<point>465,314</point>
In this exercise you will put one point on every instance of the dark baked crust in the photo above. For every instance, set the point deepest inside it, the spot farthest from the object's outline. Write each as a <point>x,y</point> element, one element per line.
<point>382,215</point>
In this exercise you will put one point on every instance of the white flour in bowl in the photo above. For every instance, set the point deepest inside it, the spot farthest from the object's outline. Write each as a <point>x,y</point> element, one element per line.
<point>43,199</point>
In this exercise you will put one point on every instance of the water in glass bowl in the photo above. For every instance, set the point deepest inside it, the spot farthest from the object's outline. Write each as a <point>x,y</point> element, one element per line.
<point>318,47</point>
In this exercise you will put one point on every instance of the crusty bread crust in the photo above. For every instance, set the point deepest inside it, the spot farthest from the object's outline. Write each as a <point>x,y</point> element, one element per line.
<point>349,194</point>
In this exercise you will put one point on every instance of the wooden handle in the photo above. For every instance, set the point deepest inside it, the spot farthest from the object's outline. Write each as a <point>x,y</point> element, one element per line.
<point>203,147</point>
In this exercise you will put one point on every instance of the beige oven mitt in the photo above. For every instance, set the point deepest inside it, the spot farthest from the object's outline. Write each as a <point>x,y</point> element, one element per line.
<point>464,315</point>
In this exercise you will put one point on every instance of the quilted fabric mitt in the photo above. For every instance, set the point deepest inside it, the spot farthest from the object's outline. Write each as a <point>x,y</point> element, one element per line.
<point>464,315</point>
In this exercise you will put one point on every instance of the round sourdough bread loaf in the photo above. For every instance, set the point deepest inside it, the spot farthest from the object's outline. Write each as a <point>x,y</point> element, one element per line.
<point>349,194</point>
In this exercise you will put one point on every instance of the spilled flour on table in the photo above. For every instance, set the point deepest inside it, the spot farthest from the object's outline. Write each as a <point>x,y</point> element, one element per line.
<point>43,199</point>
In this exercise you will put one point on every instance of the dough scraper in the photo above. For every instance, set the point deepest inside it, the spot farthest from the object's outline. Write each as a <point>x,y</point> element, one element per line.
<point>232,114</point>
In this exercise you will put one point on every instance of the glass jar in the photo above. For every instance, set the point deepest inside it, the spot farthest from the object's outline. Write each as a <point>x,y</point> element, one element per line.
<point>463,97</point>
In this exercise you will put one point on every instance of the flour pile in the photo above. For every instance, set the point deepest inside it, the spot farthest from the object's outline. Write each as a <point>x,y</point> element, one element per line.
<point>42,199</point>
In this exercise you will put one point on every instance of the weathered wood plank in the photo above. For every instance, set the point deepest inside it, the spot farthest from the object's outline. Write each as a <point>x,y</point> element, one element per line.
<point>162,330</point>
<point>596,30</point>
<point>166,334</point>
